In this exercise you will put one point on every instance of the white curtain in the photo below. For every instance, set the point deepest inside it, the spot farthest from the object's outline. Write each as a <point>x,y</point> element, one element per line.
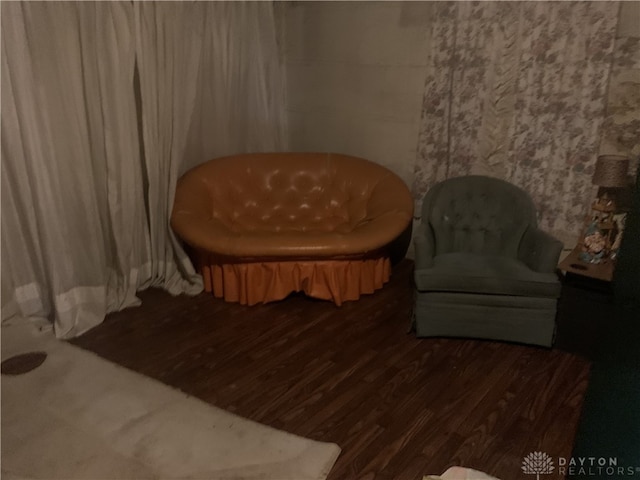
<point>92,149</point>
<point>168,46</point>
<point>241,87</point>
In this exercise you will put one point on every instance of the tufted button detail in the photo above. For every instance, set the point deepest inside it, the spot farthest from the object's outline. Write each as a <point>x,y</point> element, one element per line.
<point>261,198</point>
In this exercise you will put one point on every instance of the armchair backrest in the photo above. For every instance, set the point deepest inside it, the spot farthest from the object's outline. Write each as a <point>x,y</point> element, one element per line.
<point>478,214</point>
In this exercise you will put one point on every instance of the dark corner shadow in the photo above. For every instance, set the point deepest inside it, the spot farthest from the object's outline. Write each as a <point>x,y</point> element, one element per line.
<point>609,427</point>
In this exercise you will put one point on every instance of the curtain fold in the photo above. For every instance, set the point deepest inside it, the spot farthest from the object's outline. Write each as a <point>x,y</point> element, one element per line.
<point>241,85</point>
<point>72,223</point>
<point>517,90</point>
<point>103,107</point>
<point>168,47</point>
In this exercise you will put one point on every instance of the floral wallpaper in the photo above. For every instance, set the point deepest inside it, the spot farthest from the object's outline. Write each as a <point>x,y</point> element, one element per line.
<point>621,129</point>
<point>518,90</point>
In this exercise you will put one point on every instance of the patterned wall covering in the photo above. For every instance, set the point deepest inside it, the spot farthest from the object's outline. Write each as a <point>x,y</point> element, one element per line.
<point>517,90</point>
<point>621,129</point>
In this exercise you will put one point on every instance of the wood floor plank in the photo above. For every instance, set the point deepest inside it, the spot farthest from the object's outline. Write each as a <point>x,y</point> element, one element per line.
<point>398,406</point>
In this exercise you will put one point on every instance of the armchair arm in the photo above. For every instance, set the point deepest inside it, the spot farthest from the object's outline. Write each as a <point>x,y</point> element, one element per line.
<point>539,250</point>
<point>425,246</point>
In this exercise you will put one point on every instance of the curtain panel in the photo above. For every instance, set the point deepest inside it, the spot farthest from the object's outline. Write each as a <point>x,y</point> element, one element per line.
<point>104,105</point>
<point>517,90</point>
<point>74,227</point>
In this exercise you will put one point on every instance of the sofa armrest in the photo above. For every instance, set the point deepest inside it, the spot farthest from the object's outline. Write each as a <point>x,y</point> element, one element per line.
<point>425,246</point>
<point>390,194</point>
<point>539,250</point>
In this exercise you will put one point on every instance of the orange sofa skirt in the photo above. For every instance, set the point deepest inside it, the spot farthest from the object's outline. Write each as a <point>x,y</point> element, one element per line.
<point>262,282</point>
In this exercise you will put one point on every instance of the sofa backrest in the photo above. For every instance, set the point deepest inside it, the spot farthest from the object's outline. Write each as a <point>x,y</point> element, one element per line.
<point>478,214</point>
<point>288,191</point>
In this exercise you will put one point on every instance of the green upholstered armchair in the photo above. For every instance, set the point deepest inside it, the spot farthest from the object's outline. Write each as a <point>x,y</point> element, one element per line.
<point>483,269</point>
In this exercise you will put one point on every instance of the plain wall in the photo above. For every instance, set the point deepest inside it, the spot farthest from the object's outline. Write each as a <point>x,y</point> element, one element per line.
<point>355,78</point>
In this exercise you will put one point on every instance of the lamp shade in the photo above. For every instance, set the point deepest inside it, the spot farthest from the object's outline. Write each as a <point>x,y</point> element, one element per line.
<point>611,171</point>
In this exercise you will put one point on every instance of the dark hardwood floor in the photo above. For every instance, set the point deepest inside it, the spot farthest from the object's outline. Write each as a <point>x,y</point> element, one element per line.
<point>399,407</point>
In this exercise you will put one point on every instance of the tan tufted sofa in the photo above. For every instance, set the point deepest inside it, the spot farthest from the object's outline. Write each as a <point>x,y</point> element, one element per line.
<point>264,225</point>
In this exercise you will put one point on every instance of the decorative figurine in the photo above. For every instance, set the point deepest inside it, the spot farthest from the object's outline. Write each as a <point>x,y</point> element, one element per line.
<point>619,220</point>
<point>594,245</point>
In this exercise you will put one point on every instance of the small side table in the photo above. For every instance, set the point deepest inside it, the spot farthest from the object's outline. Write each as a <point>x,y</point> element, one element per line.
<point>600,271</point>
<point>585,305</point>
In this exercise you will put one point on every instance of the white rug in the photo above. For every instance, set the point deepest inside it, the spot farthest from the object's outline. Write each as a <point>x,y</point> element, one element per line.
<point>460,473</point>
<point>78,416</point>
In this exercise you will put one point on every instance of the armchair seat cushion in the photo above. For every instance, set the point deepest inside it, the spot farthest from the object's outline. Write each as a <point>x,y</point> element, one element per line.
<point>465,272</point>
